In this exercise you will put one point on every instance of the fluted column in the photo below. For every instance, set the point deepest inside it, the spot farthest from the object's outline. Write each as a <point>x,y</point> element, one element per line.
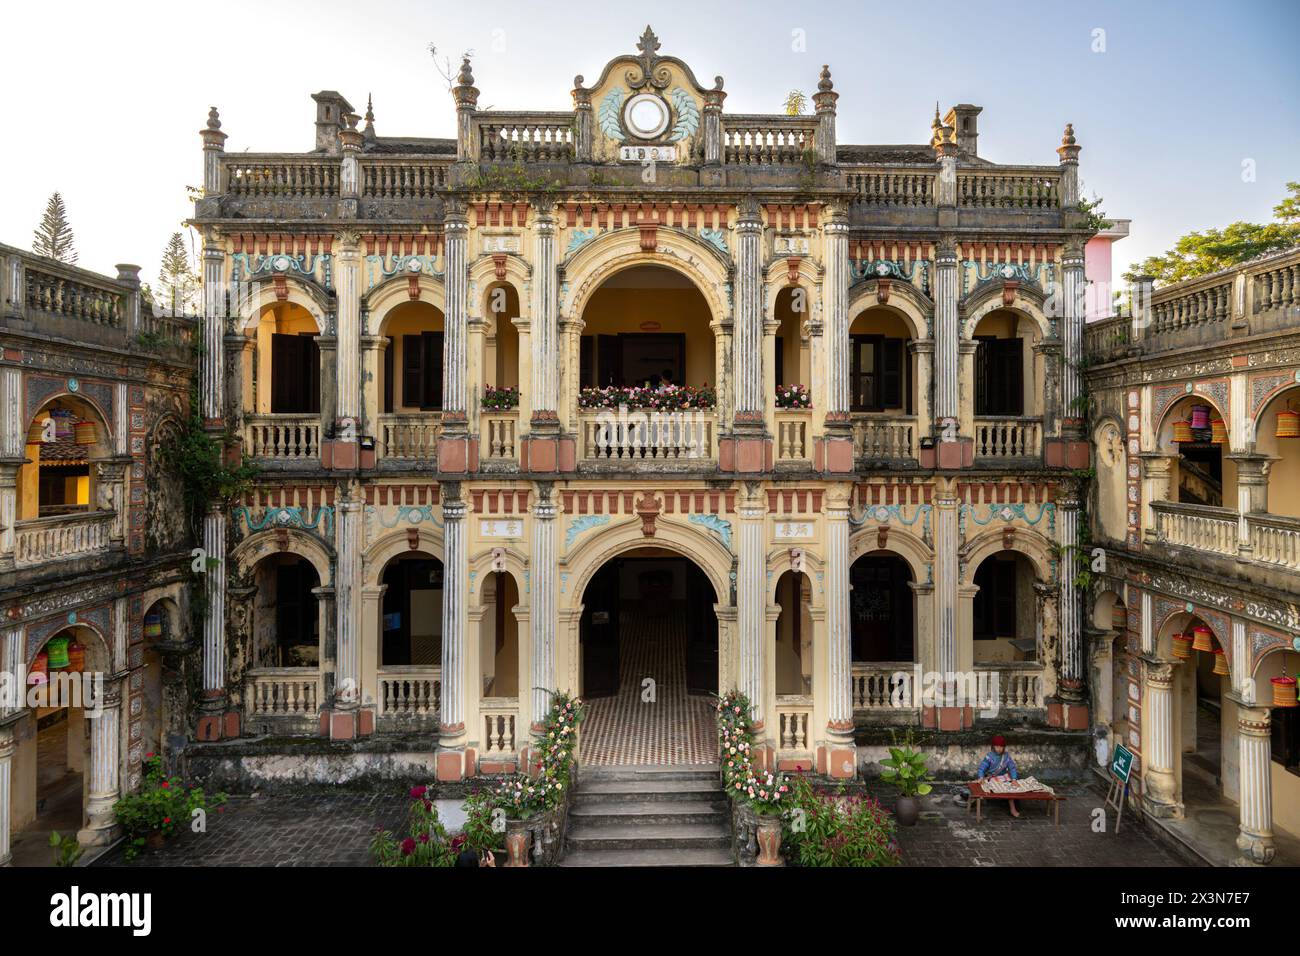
<point>348,336</point>
<point>946,577</point>
<point>214,622</point>
<point>1255,839</point>
<point>751,604</point>
<point>11,664</point>
<point>836,286</point>
<point>105,777</point>
<point>1157,469</point>
<point>455,335</point>
<point>545,327</point>
<point>1073,310</point>
<point>455,578</point>
<point>13,447</point>
<point>838,635</point>
<point>541,600</point>
<point>747,329</point>
<point>347,607</point>
<point>212,360</point>
<point>7,750</point>
<point>947,337</point>
<point>1070,616</point>
<point>1159,787</point>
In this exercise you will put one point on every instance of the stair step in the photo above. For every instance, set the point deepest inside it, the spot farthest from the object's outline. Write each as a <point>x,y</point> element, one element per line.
<point>647,857</point>
<point>614,790</point>
<point>702,772</point>
<point>649,811</point>
<point>649,836</point>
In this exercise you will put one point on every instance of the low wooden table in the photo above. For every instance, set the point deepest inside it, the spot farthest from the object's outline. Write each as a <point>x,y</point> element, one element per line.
<point>978,795</point>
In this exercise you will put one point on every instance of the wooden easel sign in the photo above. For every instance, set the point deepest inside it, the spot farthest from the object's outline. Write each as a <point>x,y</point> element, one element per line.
<point>1121,765</point>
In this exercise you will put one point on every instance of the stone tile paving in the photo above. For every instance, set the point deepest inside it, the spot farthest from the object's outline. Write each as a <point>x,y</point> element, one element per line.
<point>947,834</point>
<point>333,827</point>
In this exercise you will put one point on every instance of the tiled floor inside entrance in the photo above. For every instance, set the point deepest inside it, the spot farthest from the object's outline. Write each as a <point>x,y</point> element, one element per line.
<point>675,727</point>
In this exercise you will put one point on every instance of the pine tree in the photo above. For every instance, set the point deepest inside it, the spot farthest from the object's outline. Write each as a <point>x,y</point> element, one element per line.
<point>177,281</point>
<point>53,238</point>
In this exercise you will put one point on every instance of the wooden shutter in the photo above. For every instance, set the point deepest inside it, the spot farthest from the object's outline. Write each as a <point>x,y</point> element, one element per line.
<point>586,360</point>
<point>983,398</point>
<point>309,397</point>
<point>412,370</point>
<point>890,390</point>
<point>389,370</point>
<point>780,361</point>
<point>1012,372</point>
<point>432,393</point>
<point>284,360</point>
<point>609,360</point>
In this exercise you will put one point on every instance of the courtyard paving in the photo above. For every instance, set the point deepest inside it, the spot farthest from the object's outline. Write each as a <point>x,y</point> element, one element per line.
<point>333,827</point>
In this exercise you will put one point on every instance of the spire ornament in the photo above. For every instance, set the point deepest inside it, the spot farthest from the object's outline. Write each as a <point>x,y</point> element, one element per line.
<point>651,72</point>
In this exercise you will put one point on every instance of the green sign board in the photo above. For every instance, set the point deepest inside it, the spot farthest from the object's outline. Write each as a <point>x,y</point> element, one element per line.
<point>1122,763</point>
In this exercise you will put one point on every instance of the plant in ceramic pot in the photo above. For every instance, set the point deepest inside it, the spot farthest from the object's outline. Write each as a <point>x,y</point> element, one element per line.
<point>905,768</point>
<point>735,741</point>
<point>769,794</point>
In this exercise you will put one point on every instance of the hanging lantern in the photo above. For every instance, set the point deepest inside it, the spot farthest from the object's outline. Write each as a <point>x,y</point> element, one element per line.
<point>58,651</point>
<point>63,430</point>
<point>1220,662</point>
<point>1288,424</point>
<point>1284,692</point>
<point>76,657</point>
<point>1219,431</point>
<point>1182,431</point>
<point>84,433</point>
<point>153,626</point>
<point>39,672</point>
<point>1182,646</point>
<point>1119,617</point>
<point>1202,638</point>
<point>36,434</point>
<point>1200,416</point>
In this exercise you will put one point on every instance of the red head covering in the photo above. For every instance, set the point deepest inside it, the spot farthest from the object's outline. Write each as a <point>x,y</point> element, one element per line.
<point>999,741</point>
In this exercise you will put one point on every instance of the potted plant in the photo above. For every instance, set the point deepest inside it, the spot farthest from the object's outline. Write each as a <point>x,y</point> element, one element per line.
<point>67,850</point>
<point>768,793</point>
<point>793,396</point>
<point>905,768</point>
<point>160,809</point>
<point>426,843</point>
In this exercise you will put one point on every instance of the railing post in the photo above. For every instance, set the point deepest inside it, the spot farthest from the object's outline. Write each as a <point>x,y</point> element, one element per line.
<point>466,95</point>
<point>824,99</point>
<point>713,146</point>
<point>581,122</point>
<point>1069,153</point>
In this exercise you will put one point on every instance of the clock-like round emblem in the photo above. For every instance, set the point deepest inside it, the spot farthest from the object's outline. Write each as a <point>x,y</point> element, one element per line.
<point>280,263</point>
<point>646,115</point>
<point>414,265</point>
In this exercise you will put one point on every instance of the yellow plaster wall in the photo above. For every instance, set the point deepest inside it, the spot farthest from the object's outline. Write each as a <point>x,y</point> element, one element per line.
<point>1284,473</point>
<point>409,318</point>
<point>285,318</point>
<point>676,310</point>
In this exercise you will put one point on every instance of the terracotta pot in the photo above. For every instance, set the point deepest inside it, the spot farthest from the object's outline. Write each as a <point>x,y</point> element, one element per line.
<point>769,840</point>
<point>907,811</point>
<point>517,845</point>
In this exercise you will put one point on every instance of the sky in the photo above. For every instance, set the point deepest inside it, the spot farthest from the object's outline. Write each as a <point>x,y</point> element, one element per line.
<point>1186,111</point>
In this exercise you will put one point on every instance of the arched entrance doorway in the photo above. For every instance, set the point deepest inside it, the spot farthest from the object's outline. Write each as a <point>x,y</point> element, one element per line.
<point>648,639</point>
<point>882,618</point>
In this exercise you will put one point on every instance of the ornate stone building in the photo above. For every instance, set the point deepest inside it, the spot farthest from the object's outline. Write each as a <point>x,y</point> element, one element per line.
<point>93,546</point>
<point>423,342</point>
<point>1196,504</point>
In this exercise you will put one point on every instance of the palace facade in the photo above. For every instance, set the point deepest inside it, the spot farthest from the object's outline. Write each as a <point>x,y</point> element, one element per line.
<point>644,401</point>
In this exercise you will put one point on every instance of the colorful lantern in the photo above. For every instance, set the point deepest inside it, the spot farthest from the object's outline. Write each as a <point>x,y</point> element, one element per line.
<point>1219,431</point>
<point>76,657</point>
<point>1220,662</point>
<point>84,433</point>
<point>36,434</point>
<point>1119,617</point>
<point>1182,432</point>
<point>1288,424</point>
<point>58,651</point>
<point>153,626</point>
<point>1182,646</point>
<point>1200,416</point>
<point>1284,692</point>
<point>1202,638</point>
<point>39,672</point>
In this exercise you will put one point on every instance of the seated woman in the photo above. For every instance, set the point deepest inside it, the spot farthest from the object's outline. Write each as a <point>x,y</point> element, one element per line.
<point>998,765</point>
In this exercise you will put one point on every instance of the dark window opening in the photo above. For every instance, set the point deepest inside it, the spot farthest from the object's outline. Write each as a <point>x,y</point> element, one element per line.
<point>412,612</point>
<point>878,374</point>
<point>422,370</point>
<point>1200,474</point>
<point>297,620</point>
<point>995,602</point>
<point>881,609</point>
<point>295,374</point>
<point>1285,726</point>
<point>631,359</point>
<point>999,376</point>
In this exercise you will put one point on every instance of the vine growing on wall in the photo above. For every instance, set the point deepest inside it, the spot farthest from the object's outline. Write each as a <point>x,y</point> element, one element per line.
<point>198,458</point>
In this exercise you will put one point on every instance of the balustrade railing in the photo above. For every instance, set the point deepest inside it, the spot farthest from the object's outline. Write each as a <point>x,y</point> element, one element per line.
<point>1191,308</point>
<point>281,177</point>
<point>500,717</point>
<point>51,290</point>
<point>291,693</point>
<point>794,716</point>
<point>648,436</point>
<point>884,437</point>
<point>1275,540</point>
<point>1009,187</point>
<point>892,187</point>
<point>282,437</point>
<point>1007,437</point>
<point>411,693</point>
<point>38,540</point>
<point>402,178</point>
<point>497,439</point>
<point>409,435</point>
<point>793,435</point>
<point>525,137</point>
<point>874,686</point>
<point>767,140</point>
<point>1019,684</point>
<point>1202,527</point>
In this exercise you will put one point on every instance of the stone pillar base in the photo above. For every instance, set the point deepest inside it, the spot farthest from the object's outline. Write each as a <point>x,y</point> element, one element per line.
<point>451,765</point>
<point>1067,715</point>
<point>1257,849</point>
<point>223,726</point>
<point>342,455</point>
<point>547,455</point>
<point>837,760</point>
<point>947,718</point>
<point>834,456</point>
<point>1059,453</point>
<point>745,455</point>
<point>457,454</point>
<point>348,724</point>
<point>950,455</point>
<point>1160,810</point>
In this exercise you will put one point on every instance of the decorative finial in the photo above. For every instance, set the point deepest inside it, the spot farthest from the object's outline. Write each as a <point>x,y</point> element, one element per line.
<point>649,43</point>
<point>214,120</point>
<point>466,77</point>
<point>370,109</point>
<point>824,84</point>
<point>1068,138</point>
<point>938,123</point>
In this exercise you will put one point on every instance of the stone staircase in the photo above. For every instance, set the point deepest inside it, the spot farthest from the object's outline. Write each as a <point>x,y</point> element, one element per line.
<point>648,816</point>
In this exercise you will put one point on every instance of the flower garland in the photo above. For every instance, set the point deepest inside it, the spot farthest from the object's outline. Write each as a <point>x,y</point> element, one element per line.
<point>523,796</point>
<point>793,396</point>
<point>499,398</point>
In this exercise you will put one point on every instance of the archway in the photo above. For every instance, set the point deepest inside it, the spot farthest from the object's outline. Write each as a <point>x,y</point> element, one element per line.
<point>64,439</point>
<point>1197,695</point>
<point>1284,450</point>
<point>161,626</point>
<point>1005,610</point>
<point>499,633</point>
<point>50,787</point>
<point>793,653</point>
<point>287,629</point>
<point>882,609</point>
<point>1202,472</point>
<point>648,640</point>
<point>411,611</point>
